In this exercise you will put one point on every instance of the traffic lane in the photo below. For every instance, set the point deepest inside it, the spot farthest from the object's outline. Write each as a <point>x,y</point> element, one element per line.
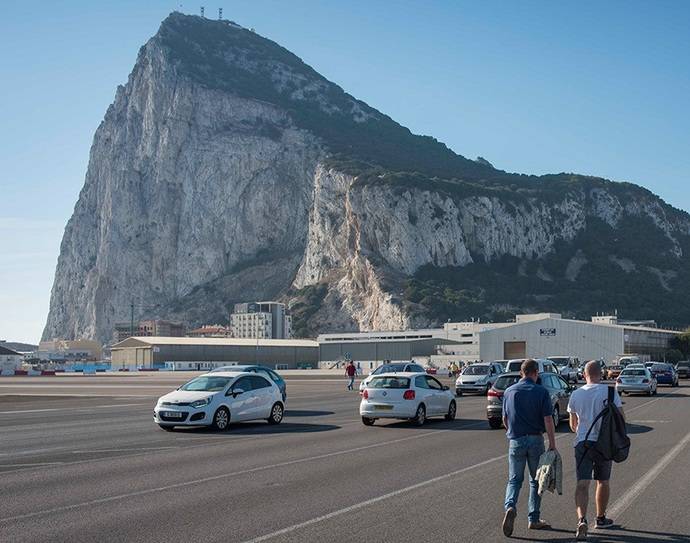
<point>467,503</point>
<point>267,496</point>
<point>88,481</point>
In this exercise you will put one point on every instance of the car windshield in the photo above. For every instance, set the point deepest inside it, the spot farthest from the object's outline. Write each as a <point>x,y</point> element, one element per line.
<point>206,383</point>
<point>390,368</point>
<point>514,366</point>
<point>683,364</point>
<point>389,382</point>
<point>504,382</point>
<point>560,360</point>
<point>476,370</point>
<point>661,367</point>
<point>634,373</point>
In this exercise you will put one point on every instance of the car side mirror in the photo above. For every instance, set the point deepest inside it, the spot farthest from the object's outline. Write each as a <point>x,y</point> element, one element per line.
<point>234,392</point>
<point>446,387</point>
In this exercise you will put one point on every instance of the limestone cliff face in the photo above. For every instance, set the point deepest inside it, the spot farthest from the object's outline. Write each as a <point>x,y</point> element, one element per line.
<point>227,170</point>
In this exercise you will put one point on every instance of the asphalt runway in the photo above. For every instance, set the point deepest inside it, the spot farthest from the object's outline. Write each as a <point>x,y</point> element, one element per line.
<point>81,460</point>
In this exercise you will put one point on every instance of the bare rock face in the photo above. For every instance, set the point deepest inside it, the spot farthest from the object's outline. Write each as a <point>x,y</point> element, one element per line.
<point>227,170</point>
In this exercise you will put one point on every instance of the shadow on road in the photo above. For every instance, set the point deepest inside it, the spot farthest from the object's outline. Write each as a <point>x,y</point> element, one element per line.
<point>249,428</point>
<point>638,428</point>
<point>438,424</point>
<point>611,535</point>
<point>306,413</point>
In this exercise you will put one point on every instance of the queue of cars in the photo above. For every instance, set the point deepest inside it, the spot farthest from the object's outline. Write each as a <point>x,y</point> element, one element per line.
<point>392,391</point>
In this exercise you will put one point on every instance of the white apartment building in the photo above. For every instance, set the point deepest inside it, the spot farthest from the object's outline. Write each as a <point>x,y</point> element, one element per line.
<point>262,320</point>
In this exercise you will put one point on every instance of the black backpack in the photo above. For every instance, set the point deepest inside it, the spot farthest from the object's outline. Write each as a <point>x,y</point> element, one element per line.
<point>613,442</point>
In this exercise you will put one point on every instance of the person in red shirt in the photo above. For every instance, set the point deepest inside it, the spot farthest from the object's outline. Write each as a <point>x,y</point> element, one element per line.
<point>350,371</point>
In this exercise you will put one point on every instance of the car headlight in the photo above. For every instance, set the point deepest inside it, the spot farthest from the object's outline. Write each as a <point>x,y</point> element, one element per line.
<point>200,403</point>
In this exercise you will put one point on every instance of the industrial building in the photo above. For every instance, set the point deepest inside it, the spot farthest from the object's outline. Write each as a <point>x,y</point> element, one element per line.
<point>548,334</point>
<point>261,320</point>
<point>536,335</point>
<point>151,327</point>
<point>202,353</point>
<point>61,350</point>
<point>10,361</point>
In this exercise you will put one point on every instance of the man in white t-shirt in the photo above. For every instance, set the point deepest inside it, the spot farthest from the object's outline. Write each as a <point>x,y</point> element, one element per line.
<point>585,404</point>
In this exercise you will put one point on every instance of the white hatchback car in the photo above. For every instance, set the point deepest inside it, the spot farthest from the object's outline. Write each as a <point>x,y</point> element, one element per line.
<point>407,396</point>
<point>219,398</point>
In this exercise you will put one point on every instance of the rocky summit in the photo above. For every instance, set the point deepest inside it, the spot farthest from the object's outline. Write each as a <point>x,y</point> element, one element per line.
<point>228,170</point>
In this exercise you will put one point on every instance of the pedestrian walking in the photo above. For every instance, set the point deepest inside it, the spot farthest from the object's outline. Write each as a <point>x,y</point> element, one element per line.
<point>585,405</point>
<point>359,369</point>
<point>350,371</point>
<point>527,414</point>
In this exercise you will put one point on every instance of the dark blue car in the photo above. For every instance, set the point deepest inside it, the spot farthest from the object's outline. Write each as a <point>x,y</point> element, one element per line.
<point>665,374</point>
<point>263,370</point>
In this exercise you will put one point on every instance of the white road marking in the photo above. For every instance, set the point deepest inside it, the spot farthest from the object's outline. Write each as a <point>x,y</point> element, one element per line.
<point>222,476</point>
<point>71,408</point>
<point>372,501</point>
<point>635,490</point>
<point>90,451</point>
<point>25,465</point>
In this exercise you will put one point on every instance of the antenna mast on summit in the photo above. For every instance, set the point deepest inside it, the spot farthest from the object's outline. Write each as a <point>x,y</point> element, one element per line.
<point>220,14</point>
<point>202,12</point>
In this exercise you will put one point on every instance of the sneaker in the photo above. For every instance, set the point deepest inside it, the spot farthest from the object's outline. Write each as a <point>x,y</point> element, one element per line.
<point>509,521</point>
<point>603,522</point>
<point>581,532</point>
<point>539,525</point>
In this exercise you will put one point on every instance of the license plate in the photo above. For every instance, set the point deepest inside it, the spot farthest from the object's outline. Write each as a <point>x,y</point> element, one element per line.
<point>172,414</point>
<point>383,407</point>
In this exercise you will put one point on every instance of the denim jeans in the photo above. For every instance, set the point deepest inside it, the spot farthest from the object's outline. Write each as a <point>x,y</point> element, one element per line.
<point>350,383</point>
<point>524,450</point>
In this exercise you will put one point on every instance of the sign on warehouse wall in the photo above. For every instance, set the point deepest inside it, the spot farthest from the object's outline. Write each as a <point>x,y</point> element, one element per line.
<point>547,332</point>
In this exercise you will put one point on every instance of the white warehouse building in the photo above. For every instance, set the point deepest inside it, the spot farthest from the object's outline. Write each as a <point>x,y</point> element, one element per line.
<point>548,334</point>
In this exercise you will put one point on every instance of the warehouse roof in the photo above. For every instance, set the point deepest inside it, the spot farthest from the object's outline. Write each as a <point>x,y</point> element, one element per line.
<point>5,350</point>
<point>145,341</point>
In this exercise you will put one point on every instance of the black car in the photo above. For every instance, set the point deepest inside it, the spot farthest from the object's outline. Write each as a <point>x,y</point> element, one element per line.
<point>683,369</point>
<point>558,389</point>
<point>262,370</point>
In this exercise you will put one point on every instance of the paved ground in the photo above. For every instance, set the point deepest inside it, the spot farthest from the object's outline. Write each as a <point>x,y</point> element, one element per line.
<point>81,460</point>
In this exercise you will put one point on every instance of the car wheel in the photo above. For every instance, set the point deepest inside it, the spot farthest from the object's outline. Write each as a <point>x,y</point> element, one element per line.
<point>556,417</point>
<point>221,419</point>
<point>368,421</point>
<point>495,424</point>
<point>458,392</point>
<point>167,428</point>
<point>277,413</point>
<point>420,417</point>
<point>452,410</point>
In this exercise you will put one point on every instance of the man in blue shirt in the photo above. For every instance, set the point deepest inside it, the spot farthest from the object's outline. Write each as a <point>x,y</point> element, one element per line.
<point>527,413</point>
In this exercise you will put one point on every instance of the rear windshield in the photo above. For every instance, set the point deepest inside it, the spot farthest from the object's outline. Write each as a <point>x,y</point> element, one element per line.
<point>639,373</point>
<point>390,368</point>
<point>683,364</point>
<point>476,370</point>
<point>560,360</point>
<point>389,382</point>
<point>504,382</point>
<point>660,367</point>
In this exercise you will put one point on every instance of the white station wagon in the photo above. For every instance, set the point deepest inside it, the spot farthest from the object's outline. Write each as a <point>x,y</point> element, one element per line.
<point>219,398</point>
<point>407,396</point>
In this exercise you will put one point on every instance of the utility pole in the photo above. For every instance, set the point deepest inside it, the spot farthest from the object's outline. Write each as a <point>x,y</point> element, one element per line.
<point>202,12</point>
<point>131,319</point>
<point>220,14</point>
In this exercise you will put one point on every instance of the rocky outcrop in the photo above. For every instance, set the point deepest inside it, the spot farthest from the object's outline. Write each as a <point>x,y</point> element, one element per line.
<point>226,170</point>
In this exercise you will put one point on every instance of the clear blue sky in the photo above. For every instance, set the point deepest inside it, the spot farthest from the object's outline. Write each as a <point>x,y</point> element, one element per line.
<point>598,88</point>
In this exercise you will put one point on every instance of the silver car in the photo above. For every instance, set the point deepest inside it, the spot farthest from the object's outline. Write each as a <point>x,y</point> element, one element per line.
<point>636,380</point>
<point>478,378</point>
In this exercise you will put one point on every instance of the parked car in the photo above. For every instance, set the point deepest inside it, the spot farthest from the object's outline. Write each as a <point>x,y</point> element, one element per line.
<point>566,367</point>
<point>558,389</point>
<point>219,398</point>
<point>636,380</point>
<point>261,370</point>
<point>395,367</point>
<point>545,365</point>
<point>683,368</point>
<point>649,364</point>
<point>478,378</point>
<point>614,371</point>
<point>407,396</point>
<point>665,374</point>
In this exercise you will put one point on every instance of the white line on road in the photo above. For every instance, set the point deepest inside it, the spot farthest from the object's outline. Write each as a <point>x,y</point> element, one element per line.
<point>372,501</point>
<point>183,484</point>
<point>635,490</point>
<point>71,408</point>
<point>89,451</point>
<point>34,464</point>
